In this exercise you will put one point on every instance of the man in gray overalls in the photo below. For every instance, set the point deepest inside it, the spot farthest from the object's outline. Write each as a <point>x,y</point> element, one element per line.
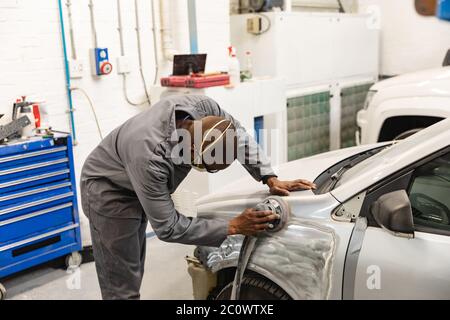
<point>129,178</point>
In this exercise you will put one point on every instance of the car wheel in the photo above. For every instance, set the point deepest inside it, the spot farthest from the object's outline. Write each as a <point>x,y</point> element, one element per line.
<point>407,134</point>
<point>254,288</point>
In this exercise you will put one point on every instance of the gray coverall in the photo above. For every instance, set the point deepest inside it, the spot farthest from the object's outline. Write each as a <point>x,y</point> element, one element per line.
<point>128,180</point>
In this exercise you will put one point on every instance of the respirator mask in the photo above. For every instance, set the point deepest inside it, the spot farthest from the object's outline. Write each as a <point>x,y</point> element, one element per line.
<point>198,162</point>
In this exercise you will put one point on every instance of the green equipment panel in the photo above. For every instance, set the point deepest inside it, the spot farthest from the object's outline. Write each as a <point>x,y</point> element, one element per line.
<point>353,99</point>
<point>308,125</point>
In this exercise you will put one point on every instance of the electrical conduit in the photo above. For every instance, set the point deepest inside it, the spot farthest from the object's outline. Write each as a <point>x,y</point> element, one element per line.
<point>122,52</point>
<point>193,33</point>
<point>139,43</point>
<point>155,43</point>
<point>67,71</point>
<point>166,32</point>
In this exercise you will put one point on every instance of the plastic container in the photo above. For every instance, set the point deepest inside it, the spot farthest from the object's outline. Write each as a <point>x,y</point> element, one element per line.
<point>247,74</point>
<point>234,67</point>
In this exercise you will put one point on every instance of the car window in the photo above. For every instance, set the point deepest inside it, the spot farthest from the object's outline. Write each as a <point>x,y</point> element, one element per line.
<point>416,146</point>
<point>430,195</point>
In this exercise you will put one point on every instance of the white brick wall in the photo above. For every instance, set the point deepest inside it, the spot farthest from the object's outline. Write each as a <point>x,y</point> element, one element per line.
<point>409,42</point>
<point>31,58</point>
<point>214,32</point>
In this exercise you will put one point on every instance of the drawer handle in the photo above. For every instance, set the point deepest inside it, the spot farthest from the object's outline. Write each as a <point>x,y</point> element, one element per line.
<point>35,178</point>
<point>36,203</point>
<point>35,214</point>
<point>33,166</point>
<point>39,237</point>
<point>36,246</point>
<point>32,154</point>
<point>35,191</point>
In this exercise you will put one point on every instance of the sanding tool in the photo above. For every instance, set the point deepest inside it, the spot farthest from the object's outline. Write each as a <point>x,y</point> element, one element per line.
<point>276,205</point>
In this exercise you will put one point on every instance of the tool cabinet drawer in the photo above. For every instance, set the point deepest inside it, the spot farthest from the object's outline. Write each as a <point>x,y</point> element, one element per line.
<point>23,171</point>
<point>34,250</point>
<point>35,222</point>
<point>22,195</point>
<point>33,180</point>
<point>23,159</point>
<point>36,202</point>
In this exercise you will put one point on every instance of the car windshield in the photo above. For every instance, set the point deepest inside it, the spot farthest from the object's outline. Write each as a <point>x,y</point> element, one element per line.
<point>400,150</point>
<point>329,179</point>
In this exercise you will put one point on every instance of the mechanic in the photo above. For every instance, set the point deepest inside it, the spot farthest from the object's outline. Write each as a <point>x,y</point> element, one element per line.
<point>129,178</point>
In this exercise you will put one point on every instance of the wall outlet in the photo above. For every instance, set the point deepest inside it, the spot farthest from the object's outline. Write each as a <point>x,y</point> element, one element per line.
<point>123,65</point>
<point>100,62</point>
<point>76,68</point>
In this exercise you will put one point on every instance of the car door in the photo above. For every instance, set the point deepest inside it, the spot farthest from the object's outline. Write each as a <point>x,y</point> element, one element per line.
<point>390,266</point>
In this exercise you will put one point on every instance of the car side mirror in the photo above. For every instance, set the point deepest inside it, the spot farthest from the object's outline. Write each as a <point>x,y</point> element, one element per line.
<point>393,213</point>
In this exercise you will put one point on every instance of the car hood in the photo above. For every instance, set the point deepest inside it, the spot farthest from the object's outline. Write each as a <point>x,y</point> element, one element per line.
<point>248,190</point>
<point>425,82</point>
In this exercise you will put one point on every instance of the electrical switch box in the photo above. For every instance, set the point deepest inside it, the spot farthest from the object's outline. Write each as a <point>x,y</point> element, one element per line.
<point>254,25</point>
<point>100,62</point>
<point>123,65</point>
<point>76,68</point>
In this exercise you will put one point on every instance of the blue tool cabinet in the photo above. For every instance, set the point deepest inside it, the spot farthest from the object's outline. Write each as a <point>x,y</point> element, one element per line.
<point>38,204</point>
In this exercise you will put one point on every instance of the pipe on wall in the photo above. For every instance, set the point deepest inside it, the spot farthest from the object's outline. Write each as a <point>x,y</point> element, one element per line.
<point>93,26</point>
<point>139,44</point>
<point>193,33</point>
<point>67,73</point>
<point>71,31</point>
<point>155,43</point>
<point>167,45</point>
<point>123,54</point>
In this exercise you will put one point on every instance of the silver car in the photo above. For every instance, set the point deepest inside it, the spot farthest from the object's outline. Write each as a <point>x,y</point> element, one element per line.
<point>378,227</point>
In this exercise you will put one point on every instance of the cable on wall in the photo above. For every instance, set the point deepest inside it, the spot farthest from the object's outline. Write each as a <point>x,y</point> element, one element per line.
<point>139,43</point>
<point>93,27</point>
<point>122,52</point>
<point>155,42</point>
<point>92,108</point>
<point>71,31</point>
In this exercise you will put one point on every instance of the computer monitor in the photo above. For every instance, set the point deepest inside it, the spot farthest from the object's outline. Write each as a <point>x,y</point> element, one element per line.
<point>186,64</point>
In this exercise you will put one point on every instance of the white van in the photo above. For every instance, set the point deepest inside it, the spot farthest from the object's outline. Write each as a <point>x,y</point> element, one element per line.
<point>399,107</point>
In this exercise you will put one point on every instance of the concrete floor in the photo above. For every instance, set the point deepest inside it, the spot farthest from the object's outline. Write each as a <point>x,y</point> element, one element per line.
<point>166,278</point>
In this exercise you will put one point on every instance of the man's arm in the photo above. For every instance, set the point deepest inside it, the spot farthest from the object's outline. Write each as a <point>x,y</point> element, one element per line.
<point>150,180</point>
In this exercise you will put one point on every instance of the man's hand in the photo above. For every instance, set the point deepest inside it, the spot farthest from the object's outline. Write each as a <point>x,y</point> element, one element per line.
<point>283,188</point>
<point>251,222</point>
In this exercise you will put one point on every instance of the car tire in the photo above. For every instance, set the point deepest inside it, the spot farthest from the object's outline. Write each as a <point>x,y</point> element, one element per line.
<point>255,288</point>
<point>407,134</point>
